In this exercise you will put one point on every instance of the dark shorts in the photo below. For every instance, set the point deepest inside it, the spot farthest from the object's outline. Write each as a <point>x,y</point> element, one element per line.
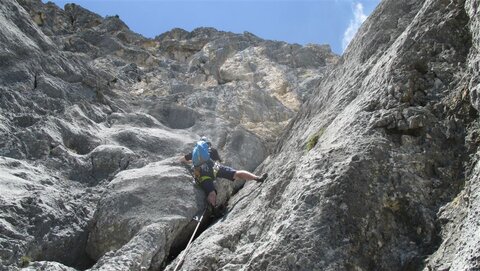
<point>226,172</point>
<point>207,186</point>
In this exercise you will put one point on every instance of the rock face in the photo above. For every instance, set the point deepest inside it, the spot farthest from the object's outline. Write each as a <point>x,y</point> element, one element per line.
<point>94,117</point>
<point>372,157</point>
<point>377,170</point>
<point>142,205</point>
<point>459,218</point>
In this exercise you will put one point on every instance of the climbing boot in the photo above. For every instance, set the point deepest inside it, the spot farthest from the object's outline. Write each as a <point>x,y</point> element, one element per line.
<point>263,178</point>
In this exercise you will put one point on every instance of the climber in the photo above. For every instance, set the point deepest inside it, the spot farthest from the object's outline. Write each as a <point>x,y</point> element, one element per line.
<point>209,170</point>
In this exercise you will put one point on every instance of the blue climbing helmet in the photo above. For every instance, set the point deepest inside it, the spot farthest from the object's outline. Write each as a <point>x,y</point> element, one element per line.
<point>201,153</point>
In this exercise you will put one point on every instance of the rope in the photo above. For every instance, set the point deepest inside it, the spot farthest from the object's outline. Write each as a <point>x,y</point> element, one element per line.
<point>189,242</point>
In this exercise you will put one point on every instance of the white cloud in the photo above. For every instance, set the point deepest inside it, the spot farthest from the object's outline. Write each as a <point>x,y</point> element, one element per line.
<point>358,18</point>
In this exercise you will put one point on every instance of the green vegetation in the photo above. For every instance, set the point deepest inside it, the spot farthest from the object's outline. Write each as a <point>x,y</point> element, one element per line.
<point>313,139</point>
<point>24,261</point>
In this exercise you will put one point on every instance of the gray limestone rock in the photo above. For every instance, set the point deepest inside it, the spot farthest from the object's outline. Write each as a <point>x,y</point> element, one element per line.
<point>143,210</point>
<point>371,156</point>
<point>43,216</point>
<point>107,160</point>
<point>47,266</point>
<point>459,218</point>
<point>357,180</point>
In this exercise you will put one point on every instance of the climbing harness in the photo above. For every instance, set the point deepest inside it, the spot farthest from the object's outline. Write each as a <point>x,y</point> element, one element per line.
<point>190,242</point>
<point>204,172</point>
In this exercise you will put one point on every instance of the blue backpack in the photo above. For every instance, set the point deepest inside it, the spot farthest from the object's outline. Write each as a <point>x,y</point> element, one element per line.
<point>200,153</point>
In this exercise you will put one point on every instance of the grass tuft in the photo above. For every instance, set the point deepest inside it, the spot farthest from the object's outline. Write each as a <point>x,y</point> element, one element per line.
<point>313,139</point>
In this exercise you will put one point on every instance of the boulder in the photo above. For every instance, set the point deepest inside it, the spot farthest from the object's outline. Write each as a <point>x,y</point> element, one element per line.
<point>107,160</point>
<point>141,213</point>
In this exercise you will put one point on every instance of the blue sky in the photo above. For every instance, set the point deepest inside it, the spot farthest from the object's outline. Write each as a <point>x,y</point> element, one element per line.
<point>331,22</point>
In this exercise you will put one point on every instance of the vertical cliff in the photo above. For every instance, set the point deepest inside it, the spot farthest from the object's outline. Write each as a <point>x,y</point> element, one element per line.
<point>459,218</point>
<point>377,170</point>
<point>372,156</point>
<point>94,117</point>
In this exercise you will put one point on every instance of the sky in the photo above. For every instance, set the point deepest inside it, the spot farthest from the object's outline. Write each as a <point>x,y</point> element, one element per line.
<point>332,22</point>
